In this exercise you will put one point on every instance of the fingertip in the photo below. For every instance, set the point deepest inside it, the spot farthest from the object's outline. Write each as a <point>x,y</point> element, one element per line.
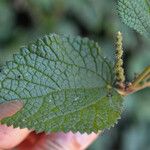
<point>10,137</point>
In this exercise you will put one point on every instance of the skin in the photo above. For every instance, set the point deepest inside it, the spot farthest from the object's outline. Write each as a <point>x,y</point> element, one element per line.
<point>24,139</point>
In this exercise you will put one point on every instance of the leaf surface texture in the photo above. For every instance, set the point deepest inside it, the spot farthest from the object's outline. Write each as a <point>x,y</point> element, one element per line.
<point>136,14</point>
<point>65,85</point>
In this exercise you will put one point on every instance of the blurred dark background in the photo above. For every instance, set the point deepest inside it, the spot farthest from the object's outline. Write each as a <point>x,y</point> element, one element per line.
<point>23,21</point>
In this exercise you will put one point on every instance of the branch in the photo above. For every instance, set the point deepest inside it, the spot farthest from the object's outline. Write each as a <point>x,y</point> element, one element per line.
<point>141,82</point>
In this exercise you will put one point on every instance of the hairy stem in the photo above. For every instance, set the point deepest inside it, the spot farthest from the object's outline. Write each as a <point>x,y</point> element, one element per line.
<point>143,76</point>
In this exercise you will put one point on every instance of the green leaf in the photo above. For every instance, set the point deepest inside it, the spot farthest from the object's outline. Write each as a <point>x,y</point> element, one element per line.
<point>65,84</point>
<point>136,14</point>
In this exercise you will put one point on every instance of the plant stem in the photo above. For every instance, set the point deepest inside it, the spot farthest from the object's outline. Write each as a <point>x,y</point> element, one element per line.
<point>138,84</point>
<point>143,76</point>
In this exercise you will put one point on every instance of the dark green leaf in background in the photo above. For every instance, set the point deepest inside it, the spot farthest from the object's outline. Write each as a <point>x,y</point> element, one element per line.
<point>136,14</point>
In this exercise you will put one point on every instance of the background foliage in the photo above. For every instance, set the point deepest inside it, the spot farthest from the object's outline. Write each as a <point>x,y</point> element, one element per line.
<point>22,21</point>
